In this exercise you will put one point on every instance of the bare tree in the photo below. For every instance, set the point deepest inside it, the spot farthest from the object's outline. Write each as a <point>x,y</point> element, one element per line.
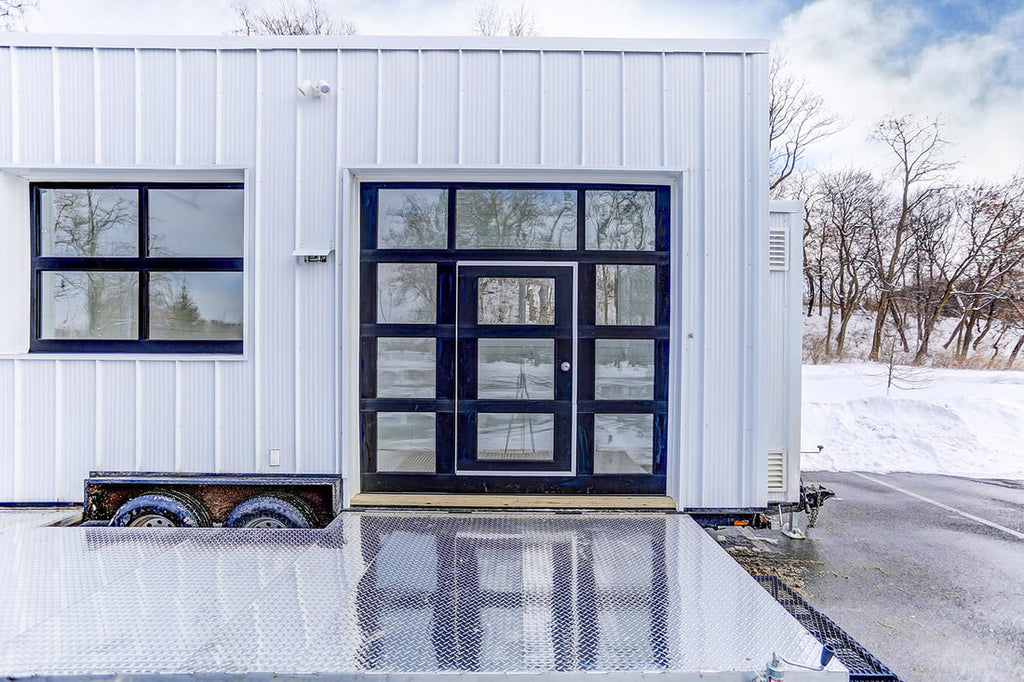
<point>290,19</point>
<point>797,118</point>
<point>491,20</point>
<point>12,13</point>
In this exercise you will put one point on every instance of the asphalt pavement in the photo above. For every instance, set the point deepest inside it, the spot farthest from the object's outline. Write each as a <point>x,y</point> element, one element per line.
<point>926,572</point>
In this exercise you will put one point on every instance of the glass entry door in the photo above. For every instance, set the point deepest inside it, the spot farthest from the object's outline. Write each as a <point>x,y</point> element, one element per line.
<point>516,368</point>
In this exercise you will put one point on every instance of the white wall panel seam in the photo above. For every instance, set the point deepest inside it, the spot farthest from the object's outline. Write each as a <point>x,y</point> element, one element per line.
<point>57,141</point>
<point>701,417</point>
<point>218,109</point>
<point>257,255</point>
<point>380,105</point>
<point>218,416</point>
<point>101,417</point>
<point>340,204</point>
<point>138,108</point>
<point>178,102</point>
<point>15,108</point>
<point>419,118</point>
<point>622,108</point>
<point>583,108</point>
<point>97,109</point>
<point>542,85</point>
<point>138,414</point>
<point>179,425</point>
<point>462,105</point>
<point>297,405</point>
<point>58,428</point>
<point>664,115</point>
<point>19,432</point>
<point>749,371</point>
<point>501,107</point>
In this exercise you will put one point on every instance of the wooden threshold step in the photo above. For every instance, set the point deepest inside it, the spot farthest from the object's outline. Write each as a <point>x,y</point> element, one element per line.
<point>513,501</point>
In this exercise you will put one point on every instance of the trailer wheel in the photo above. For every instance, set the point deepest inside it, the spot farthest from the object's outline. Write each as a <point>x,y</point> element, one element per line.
<point>276,510</point>
<point>161,509</point>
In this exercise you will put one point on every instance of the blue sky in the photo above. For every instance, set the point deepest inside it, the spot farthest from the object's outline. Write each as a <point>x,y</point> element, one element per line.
<point>962,60</point>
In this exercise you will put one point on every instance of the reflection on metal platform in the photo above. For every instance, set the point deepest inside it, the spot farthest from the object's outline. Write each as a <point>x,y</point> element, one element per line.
<point>379,594</point>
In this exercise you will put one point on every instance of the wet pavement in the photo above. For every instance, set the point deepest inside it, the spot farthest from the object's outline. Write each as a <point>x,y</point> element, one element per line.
<point>935,592</point>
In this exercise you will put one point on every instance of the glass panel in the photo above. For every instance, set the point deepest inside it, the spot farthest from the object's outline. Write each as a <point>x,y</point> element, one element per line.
<point>515,436</point>
<point>406,293</point>
<point>624,369</point>
<point>195,306</point>
<point>620,220</point>
<point>515,219</point>
<point>516,300</point>
<point>406,368</point>
<point>625,294</point>
<point>518,369</point>
<point>405,442</point>
<point>92,223</point>
<point>196,223</point>
<point>90,305</point>
<point>412,219</point>
<point>623,443</point>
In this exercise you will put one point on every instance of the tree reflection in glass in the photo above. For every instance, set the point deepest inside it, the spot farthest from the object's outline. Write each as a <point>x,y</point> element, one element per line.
<point>620,220</point>
<point>89,223</point>
<point>412,219</point>
<point>516,300</point>
<point>515,219</point>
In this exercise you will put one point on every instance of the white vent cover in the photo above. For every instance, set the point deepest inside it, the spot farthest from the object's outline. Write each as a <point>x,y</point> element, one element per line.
<point>776,471</point>
<point>778,249</point>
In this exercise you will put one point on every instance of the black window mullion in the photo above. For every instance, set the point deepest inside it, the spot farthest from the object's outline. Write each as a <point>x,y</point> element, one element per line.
<point>143,273</point>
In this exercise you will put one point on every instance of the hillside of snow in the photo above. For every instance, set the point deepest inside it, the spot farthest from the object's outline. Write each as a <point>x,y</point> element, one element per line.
<point>937,421</point>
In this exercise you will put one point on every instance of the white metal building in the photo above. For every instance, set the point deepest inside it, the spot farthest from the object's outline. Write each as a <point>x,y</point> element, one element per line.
<point>667,363</point>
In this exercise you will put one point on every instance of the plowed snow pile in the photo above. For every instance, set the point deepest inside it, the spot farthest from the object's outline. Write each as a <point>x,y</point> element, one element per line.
<point>956,422</point>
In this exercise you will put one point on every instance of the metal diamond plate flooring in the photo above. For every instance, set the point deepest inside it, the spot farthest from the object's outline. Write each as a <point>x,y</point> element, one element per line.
<point>393,595</point>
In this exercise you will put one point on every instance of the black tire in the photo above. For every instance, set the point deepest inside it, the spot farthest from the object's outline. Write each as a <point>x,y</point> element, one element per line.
<point>273,510</point>
<point>162,509</point>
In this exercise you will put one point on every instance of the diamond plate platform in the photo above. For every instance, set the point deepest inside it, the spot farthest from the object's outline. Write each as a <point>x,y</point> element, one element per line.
<point>394,595</point>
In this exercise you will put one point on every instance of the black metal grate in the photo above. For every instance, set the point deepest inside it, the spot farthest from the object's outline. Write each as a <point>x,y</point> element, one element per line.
<point>862,665</point>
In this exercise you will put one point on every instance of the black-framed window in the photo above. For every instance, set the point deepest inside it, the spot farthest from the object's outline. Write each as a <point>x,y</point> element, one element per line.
<point>137,267</point>
<point>412,237</point>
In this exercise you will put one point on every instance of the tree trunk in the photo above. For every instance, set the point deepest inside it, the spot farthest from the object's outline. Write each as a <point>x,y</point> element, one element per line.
<point>876,338</point>
<point>1014,352</point>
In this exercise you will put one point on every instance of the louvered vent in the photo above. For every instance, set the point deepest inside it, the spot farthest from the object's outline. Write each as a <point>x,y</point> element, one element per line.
<point>776,471</point>
<point>778,249</point>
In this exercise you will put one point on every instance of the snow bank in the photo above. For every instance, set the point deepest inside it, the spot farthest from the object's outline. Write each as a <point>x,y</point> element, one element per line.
<point>956,422</point>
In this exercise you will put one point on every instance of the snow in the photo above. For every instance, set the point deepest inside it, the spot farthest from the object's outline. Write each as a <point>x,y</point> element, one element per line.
<point>942,421</point>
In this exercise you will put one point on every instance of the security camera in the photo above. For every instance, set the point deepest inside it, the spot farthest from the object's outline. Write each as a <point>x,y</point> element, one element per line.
<point>323,88</point>
<point>306,88</point>
<point>320,88</point>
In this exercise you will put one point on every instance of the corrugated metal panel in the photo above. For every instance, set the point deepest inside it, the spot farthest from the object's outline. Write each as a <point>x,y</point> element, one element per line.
<point>157,106</point>
<point>399,102</point>
<point>196,417</point>
<point>6,104</point>
<point>521,120</point>
<point>359,101</point>
<point>116,124</point>
<point>439,93</point>
<point>275,277</point>
<point>317,131</point>
<point>35,132</point>
<point>562,112</point>
<point>643,109</point>
<point>602,109</point>
<point>76,104</point>
<point>8,454</point>
<point>116,406</point>
<point>237,134</point>
<point>315,370</point>
<point>76,426</point>
<point>481,112</point>
<point>156,391</point>
<point>198,108</point>
<point>236,426</point>
<point>34,430</point>
<point>725,358</point>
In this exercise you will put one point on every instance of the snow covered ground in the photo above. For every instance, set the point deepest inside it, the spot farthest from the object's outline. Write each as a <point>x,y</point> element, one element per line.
<point>944,421</point>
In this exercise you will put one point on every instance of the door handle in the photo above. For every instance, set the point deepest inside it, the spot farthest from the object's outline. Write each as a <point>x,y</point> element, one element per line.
<point>565,366</point>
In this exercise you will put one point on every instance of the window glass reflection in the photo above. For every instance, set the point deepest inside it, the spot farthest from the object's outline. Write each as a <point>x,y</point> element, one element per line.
<point>195,306</point>
<point>624,369</point>
<point>406,367</point>
<point>89,223</point>
<point>199,223</point>
<point>406,293</point>
<point>89,305</point>
<point>515,219</point>
<point>515,436</point>
<point>406,442</point>
<point>516,369</point>
<point>516,300</point>
<point>620,220</point>
<point>623,443</point>
<point>412,219</point>
<point>625,294</point>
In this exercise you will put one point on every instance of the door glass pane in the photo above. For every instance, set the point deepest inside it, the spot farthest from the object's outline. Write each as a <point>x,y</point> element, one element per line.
<point>624,369</point>
<point>623,443</point>
<point>90,305</point>
<point>406,368</point>
<point>195,305</point>
<point>412,219</point>
<point>516,300</point>
<point>516,369</point>
<point>196,222</point>
<point>406,293</point>
<point>625,294</point>
<point>405,442</point>
<point>91,223</point>
<point>620,220</point>
<point>515,436</point>
<point>515,219</point>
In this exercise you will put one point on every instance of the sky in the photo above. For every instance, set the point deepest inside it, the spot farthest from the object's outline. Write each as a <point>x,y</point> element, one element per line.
<point>960,60</point>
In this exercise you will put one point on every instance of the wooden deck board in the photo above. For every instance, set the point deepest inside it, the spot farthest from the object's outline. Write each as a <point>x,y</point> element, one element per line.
<point>514,501</point>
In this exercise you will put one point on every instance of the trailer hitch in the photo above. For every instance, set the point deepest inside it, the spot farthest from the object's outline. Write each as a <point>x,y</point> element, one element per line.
<point>812,497</point>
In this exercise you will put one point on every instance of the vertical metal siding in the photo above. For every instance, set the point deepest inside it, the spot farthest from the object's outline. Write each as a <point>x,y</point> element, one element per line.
<point>36,132</point>
<point>35,426</point>
<point>236,427</point>
<point>116,406</point>
<point>75,438</point>
<point>520,115</point>
<point>602,109</point>
<point>399,102</point>
<point>156,391</point>
<point>6,106</point>
<point>198,108</point>
<point>643,95</point>
<point>562,110</point>
<point>196,416</point>
<point>439,107</point>
<point>237,133</point>
<point>8,454</point>
<point>75,99</point>
<point>481,111</point>
<point>116,125</point>
<point>157,104</point>
<point>359,100</point>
